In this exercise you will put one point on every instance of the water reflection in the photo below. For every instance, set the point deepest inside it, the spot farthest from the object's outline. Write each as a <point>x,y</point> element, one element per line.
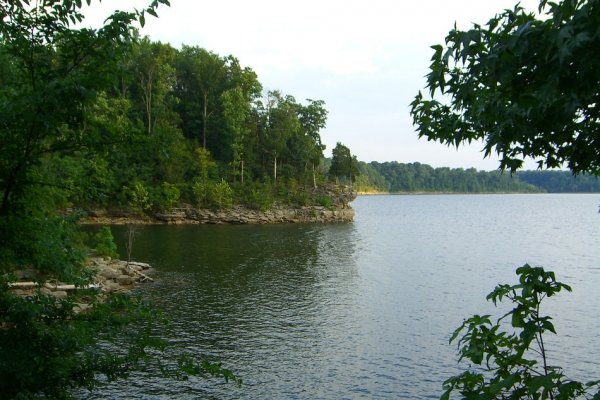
<point>364,310</point>
<point>269,301</point>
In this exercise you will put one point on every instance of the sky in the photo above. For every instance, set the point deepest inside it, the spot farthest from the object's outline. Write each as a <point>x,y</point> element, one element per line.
<point>366,59</point>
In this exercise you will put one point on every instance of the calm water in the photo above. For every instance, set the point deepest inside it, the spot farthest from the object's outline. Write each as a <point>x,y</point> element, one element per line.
<point>365,309</point>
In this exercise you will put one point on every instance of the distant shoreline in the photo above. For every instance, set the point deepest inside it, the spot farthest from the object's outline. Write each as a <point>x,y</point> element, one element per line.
<point>459,193</point>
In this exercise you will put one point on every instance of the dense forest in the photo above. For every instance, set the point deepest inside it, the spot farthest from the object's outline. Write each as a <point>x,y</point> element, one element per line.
<point>179,126</point>
<point>395,177</point>
<point>188,126</point>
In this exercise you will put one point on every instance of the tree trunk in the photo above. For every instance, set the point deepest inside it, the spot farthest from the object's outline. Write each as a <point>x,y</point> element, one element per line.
<point>204,120</point>
<point>146,85</point>
<point>275,171</point>
<point>242,178</point>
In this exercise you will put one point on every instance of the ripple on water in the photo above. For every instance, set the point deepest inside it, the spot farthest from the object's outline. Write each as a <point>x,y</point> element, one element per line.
<point>363,310</point>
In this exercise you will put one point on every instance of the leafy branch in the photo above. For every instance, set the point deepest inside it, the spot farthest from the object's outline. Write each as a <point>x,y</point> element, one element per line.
<point>514,364</point>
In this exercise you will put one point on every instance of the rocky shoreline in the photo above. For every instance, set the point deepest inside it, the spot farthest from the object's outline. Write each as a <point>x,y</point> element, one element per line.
<point>111,276</point>
<point>335,199</point>
<point>236,215</point>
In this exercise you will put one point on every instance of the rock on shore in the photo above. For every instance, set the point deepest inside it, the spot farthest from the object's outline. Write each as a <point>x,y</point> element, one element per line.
<point>110,276</point>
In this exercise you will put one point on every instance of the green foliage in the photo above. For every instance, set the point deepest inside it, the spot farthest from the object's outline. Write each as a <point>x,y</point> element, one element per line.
<point>47,348</point>
<point>103,243</point>
<point>170,195</point>
<point>257,196</point>
<point>370,180</point>
<point>201,193</point>
<point>396,177</point>
<point>561,181</point>
<point>67,137</point>
<point>221,195</point>
<point>343,163</point>
<point>325,201</point>
<point>514,363</point>
<point>417,177</point>
<point>526,85</point>
<point>207,367</point>
<point>139,198</point>
<point>48,243</point>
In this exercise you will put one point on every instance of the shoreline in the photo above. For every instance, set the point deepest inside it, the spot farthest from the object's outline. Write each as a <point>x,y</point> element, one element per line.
<point>110,276</point>
<point>237,215</point>
<point>461,193</point>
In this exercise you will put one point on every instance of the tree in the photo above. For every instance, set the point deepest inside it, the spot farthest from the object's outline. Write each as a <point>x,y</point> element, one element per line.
<point>154,79</point>
<point>525,85</point>
<point>528,87</point>
<point>343,163</point>
<point>200,76</point>
<point>313,118</point>
<point>236,111</point>
<point>55,75</point>
<point>281,123</point>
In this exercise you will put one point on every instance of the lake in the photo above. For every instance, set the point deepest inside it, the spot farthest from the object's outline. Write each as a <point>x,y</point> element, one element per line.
<point>364,309</point>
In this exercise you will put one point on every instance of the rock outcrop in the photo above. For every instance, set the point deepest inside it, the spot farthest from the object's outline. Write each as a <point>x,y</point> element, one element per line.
<point>337,209</point>
<point>243,215</point>
<point>110,276</point>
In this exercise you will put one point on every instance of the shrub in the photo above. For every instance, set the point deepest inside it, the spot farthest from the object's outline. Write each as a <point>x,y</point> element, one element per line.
<point>201,190</point>
<point>221,195</point>
<point>139,198</point>
<point>325,201</point>
<point>103,243</point>
<point>169,196</point>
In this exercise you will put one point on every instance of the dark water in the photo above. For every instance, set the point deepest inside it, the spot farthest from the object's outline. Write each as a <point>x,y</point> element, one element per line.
<point>365,309</point>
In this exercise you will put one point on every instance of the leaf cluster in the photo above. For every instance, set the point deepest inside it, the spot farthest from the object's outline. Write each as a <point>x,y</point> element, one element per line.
<point>57,121</point>
<point>513,363</point>
<point>526,85</point>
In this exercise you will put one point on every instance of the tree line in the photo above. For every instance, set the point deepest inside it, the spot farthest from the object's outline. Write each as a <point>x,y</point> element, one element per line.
<point>169,126</point>
<point>395,177</point>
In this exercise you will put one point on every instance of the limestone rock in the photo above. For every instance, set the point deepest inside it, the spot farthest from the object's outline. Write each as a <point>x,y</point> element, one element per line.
<point>125,280</point>
<point>59,294</point>
<point>108,273</point>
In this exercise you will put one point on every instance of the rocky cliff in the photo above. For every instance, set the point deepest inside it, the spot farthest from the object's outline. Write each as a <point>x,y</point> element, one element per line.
<point>338,210</point>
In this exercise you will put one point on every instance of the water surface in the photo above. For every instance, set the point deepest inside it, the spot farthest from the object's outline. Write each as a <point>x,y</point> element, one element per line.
<point>364,309</point>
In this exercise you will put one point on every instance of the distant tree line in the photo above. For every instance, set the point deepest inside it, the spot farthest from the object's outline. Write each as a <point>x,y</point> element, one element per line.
<point>395,177</point>
<point>561,181</point>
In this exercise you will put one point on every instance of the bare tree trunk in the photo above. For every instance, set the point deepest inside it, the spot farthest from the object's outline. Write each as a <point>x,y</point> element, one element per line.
<point>314,176</point>
<point>147,99</point>
<point>275,170</point>
<point>242,178</point>
<point>204,120</point>
<point>132,231</point>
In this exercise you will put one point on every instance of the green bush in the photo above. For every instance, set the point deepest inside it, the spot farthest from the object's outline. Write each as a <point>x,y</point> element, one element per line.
<point>221,195</point>
<point>170,195</point>
<point>139,198</point>
<point>325,201</point>
<point>201,191</point>
<point>103,243</point>
<point>256,196</point>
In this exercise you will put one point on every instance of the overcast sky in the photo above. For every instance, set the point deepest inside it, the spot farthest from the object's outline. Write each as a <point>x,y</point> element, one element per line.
<point>366,59</point>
